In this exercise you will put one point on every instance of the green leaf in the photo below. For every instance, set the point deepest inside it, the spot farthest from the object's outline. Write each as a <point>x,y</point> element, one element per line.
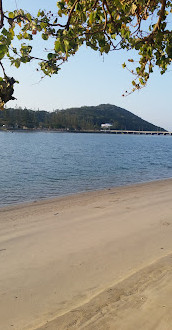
<point>66,43</point>
<point>17,63</point>
<point>3,50</point>
<point>50,56</point>
<point>19,36</point>
<point>44,36</point>
<point>11,14</point>
<point>91,17</point>
<point>57,45</point>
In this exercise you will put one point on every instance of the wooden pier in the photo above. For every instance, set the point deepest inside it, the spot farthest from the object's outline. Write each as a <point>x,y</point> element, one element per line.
<point>137,132</point>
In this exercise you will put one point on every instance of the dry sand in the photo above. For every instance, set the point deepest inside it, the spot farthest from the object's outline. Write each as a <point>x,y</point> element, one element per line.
<point>99,260</point>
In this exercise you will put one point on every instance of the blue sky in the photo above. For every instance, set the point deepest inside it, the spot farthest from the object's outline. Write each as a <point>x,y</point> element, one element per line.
<point>90,79</point>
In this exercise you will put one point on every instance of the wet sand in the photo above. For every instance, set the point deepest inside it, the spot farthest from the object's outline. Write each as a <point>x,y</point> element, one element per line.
<point>98,260</point>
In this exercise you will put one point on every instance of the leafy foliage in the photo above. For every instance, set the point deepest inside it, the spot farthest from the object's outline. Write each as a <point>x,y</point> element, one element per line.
<point>103,25</point>
<point>80,119</point>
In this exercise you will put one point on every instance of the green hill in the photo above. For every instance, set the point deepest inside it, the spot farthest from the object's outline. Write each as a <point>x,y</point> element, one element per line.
<point>80,119</point>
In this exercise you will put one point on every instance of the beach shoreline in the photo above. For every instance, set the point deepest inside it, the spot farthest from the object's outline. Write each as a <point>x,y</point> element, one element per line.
<point>74,195</point>
<point>98,254</point>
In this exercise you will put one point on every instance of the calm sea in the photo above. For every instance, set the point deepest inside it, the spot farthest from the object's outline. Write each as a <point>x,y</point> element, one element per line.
<point>44,165</point>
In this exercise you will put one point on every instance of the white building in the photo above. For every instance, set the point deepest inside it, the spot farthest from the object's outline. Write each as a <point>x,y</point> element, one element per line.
<point>106,126</point>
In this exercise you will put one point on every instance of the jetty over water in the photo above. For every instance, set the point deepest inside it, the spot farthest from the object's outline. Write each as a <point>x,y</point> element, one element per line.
<point>137,132</point>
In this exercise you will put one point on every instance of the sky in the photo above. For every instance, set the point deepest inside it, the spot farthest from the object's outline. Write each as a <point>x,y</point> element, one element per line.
<point>89,79</point>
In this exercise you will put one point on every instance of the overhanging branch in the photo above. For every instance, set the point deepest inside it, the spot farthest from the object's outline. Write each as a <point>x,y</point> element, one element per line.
<point>70,14</point>
<point>1,15</point>
<point>157,25</point>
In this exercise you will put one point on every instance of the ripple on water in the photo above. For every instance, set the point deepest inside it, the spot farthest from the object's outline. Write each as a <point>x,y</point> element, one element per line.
<point>41,165</point>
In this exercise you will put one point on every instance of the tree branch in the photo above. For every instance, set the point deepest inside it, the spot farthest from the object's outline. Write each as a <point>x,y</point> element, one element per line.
<point>1,15</point>
<point>104,15</point>
<point>157,25</point>
<point>3,69</point>
<point>161,14</point>
<point>70,14</point>
<point>109,12</point>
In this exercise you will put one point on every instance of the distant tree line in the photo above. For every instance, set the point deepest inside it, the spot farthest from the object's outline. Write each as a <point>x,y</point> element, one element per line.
<point>80,119</point>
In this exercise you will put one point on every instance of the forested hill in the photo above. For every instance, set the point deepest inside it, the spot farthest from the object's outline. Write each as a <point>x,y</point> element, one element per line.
<point>84,118</point>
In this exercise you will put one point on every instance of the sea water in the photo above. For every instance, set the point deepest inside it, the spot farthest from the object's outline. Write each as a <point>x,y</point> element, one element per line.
<point>38,165</point>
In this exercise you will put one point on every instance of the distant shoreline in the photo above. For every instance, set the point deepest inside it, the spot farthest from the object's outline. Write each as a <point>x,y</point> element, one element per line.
<point>103,116</point>
<point>124,132</point>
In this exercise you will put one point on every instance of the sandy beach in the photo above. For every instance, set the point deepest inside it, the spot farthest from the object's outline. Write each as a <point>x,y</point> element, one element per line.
<point>97,260</point>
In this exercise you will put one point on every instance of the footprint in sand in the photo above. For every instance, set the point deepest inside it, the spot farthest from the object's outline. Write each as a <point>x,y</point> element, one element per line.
<point>166,223</point>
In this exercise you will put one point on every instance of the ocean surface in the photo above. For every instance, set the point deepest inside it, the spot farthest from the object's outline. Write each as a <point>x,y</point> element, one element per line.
<point>39,165</point>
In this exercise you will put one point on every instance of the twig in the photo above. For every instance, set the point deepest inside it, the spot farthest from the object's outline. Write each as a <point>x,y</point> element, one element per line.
<point>3,69</point>
<point>157,25</point>
<point>2,15</point>
<point>105,16</point>
<point>109,12</point>
<point>70,14</point>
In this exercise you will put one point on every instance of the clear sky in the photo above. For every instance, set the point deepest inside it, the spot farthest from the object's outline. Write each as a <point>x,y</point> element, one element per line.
<point>90,79</point>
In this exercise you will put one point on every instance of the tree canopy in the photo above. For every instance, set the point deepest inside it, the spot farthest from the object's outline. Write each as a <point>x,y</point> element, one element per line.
<point>86,118</point>
<point>103,25</point>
